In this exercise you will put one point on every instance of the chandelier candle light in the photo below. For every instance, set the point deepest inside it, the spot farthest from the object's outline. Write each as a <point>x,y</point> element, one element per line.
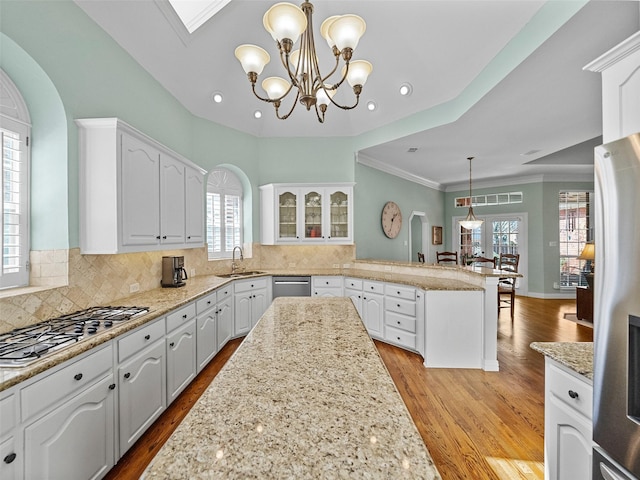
<point>287,22</point>
<point>471,222</point>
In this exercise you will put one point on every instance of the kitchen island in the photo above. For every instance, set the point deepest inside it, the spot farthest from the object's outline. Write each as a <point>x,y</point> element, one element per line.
<point>306,395</point>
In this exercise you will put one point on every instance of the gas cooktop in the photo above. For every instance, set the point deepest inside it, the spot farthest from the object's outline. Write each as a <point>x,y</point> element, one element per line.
<point>22,346</point>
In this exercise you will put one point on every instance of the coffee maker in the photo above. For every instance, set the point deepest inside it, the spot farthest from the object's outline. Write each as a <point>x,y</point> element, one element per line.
<point>173,272</point>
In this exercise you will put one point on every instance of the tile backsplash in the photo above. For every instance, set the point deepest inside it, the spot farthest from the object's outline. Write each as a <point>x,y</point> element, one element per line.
<point>87,280</point>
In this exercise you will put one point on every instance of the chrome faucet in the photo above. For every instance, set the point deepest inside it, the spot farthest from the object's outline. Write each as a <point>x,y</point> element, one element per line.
<point>234,265</point>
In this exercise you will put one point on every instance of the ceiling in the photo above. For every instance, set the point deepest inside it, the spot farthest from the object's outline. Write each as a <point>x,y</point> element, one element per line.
<point>544,105</point>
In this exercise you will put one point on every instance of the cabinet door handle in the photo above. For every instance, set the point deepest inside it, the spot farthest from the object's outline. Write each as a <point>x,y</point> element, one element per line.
<point>10,458</point>
<point>184,316</point>
<point>164,237</point>
<point>208,302</point>
<point>398,305</point>
<point>147,337</point>
<point>157,237</point>
<point>189,237</point>
<point>78,376</point>
<point>398,322</point>
<point>398,293</point>
<point>172,344</point>
<point>573,394</point>
<point>127,375</point>
<point>112,386</point>
<point>398,338</point>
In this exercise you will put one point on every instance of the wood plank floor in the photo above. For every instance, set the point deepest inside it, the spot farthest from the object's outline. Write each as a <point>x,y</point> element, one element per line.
<point>477,425</point>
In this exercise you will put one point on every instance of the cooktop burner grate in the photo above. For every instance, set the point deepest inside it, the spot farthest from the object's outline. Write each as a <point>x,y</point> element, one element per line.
<point>25,345</point>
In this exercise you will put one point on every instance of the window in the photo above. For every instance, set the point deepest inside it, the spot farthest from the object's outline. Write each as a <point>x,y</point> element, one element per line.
<point>14,135</point>
<point>489,199</point>
<point>224,213</point>
<point>575,231</point>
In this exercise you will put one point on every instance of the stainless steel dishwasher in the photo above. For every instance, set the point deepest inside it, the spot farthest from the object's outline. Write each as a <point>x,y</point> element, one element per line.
<point>291,286</point>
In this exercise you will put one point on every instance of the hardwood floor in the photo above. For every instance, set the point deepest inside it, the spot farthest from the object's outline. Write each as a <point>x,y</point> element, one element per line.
<point>476,424</point>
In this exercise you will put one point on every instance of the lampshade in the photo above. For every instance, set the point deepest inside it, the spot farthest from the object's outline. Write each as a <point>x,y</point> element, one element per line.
<point>324,29</point>
<point>359,71</point>
<point>346,30</point>
<point>252,58</point>
<point>588,252</point>
<point>285,20</point>
<point>323,98</point>
<point>275,87</point>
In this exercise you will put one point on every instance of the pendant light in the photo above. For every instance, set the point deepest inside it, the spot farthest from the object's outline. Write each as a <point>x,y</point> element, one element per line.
<point>471,222</point>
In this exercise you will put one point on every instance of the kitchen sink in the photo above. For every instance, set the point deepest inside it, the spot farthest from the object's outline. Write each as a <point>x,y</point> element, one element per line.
<point>240,274</point>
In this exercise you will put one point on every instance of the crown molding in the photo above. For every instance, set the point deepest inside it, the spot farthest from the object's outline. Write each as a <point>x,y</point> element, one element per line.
<point>617,53</point>
<point>372,163</point>
<point>508,181</point>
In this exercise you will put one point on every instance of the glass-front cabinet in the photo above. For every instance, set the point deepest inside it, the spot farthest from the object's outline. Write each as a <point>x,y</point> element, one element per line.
<point>304,213</point>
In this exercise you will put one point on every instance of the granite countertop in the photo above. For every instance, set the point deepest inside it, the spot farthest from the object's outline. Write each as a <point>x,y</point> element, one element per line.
<point>305,396</point>
<point>578,356</point>
<point>163,300</point>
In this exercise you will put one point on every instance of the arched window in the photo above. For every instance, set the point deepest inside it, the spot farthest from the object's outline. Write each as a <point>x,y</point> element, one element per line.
<point>224,213</point>
<point>15,132</point>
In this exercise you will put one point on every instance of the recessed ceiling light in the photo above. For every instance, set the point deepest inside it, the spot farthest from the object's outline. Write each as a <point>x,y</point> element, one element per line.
<point>257,114</point>
<point>412,149</point>
<point>406,89</point>
<point>217,97</point>
<point>530,152</point>
<point>371,105</point>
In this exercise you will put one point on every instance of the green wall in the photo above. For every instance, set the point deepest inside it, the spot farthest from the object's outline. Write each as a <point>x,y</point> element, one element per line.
<point>373,189</point>
<point>540,203</point>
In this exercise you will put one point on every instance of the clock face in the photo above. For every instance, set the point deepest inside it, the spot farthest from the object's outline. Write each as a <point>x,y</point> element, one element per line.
<point>391,219</point>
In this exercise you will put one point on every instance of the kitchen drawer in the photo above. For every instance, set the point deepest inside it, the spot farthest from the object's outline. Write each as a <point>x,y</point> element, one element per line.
<point>373,287</point>
<point>353,283</point>
<point>80,374</point>
<point>248,285</point>
<point>572,390</point>
<point>399,305</point>
<point>400,337</point>
<point>400,321</point>
<point>139,339</point>
<point>205,303</point>
<point>398,291</point>
<point>180,316</point>
<point>224,292</point>
<point>7,414</point>
<point>327,282</point>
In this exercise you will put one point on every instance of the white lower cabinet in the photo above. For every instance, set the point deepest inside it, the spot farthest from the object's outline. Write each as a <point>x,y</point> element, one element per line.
<point>327,286</point>
<point>68,418</point>
<point>373,308</point>
<point>76,440</point>
<point>251,299</point>
<point>142,386</point>
<point>181,359</point>
<point>400,316</point>
<point>11,455</point>
<point>224,308</point>
<point>11,459</point>
<point>206,330</point>
<point>568,445</point>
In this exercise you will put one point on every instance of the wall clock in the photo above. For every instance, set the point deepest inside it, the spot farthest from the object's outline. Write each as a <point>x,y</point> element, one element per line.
<point>391,219</point>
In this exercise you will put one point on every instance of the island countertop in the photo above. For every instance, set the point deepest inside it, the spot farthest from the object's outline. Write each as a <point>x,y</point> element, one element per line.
<point>306,395</point>
<point>578,356</point>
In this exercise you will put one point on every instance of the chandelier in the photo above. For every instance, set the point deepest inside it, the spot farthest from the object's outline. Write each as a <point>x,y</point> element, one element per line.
<point>471,222</point>
<point>287,22</point>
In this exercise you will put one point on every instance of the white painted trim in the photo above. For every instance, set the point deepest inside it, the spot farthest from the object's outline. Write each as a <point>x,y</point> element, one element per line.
<point>508,181</point>
<point>19,106</point>
<point>614,55</point>
<point>370,162</point>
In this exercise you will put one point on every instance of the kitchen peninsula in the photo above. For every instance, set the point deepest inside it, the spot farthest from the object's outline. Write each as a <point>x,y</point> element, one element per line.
<point>305,395</point>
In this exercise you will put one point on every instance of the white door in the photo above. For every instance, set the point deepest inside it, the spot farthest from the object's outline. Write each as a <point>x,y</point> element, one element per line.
<point>504,233</point>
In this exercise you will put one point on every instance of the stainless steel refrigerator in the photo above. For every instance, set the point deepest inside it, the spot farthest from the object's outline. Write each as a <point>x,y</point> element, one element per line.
<point>616,381</point>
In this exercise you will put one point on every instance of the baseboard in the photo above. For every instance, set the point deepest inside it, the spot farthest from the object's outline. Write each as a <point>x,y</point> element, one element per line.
<point>553,296</point>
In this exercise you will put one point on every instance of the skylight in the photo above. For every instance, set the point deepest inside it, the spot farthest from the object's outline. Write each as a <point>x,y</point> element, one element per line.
<point>193,13</point>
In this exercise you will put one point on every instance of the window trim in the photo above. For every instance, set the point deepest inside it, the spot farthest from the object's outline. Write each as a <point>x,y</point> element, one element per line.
<point>224,182</point>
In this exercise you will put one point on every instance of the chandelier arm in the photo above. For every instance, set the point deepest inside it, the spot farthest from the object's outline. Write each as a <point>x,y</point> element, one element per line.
<point>293,106</point>
<point>284,58</point>
<point>344,107</point>
<point>320,118</point>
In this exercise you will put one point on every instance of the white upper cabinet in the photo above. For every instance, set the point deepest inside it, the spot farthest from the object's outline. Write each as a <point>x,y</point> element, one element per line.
<point>135,194</point>
<point>304,213</point>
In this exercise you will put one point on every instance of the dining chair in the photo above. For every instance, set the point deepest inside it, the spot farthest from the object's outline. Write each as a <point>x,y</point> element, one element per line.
<point>447,257</point>
<point>507,285</point>
<point>420,257</point>
<point>489,262</point>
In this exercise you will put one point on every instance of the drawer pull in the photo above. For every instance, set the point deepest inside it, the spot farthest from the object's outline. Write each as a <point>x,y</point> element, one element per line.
<point>184,316</point>
<point>398,338</point>
<point>10,458</point>
<point>398,322</point>
<point>398,305</point>
<point>172,344</point>
<point>147,337</point>
<point>78,376</point>
<point>127,375</point>
<point>112,386</point>
<point>573,394</point>
<point>208,302</point>
<point>398,293</point>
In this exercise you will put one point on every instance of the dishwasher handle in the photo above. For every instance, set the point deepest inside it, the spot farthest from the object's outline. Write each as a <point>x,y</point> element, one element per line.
<point>291,282</point>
